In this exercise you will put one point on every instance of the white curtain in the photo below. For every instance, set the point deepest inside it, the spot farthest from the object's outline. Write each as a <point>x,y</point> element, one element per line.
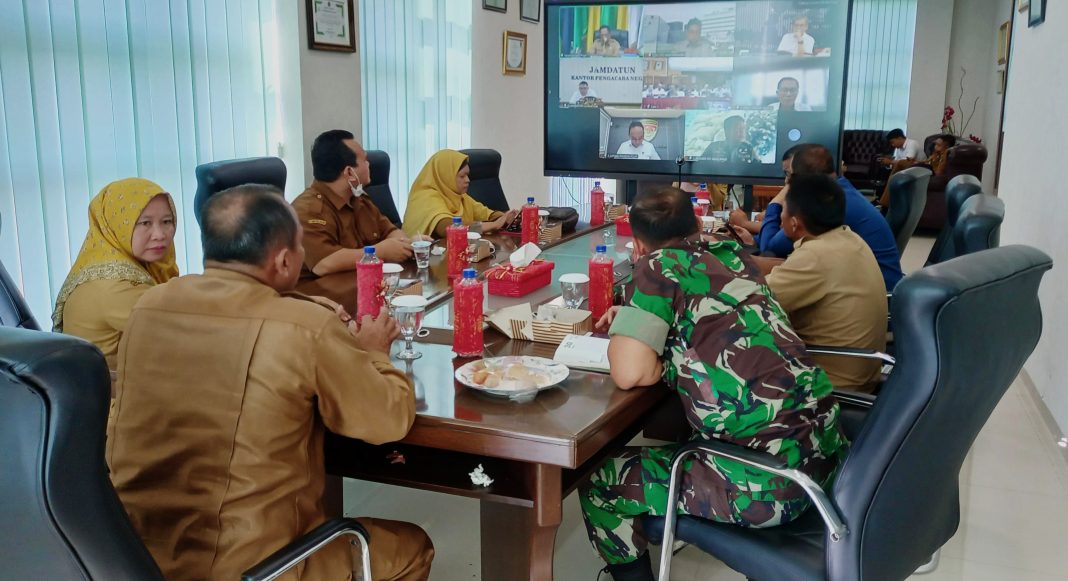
<point>416,63</point>
<point>880,64</point>
<point>92,91</point>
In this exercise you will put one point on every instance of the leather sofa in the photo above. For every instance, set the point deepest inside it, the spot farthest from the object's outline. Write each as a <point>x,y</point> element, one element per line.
<point>965,158</point>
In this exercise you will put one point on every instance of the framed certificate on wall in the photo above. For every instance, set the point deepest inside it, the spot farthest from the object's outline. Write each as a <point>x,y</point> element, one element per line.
<point>330,25</point>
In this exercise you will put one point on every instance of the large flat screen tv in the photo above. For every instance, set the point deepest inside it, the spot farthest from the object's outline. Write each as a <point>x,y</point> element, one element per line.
<point>711,89</point>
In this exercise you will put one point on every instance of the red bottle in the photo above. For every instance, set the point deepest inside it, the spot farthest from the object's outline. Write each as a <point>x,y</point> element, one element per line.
<point>369,299</point>
<point>467,315</point>
<point>698,209</point>
<point>531,222</point>
<point>703,194</point>
<point>596,205</point>
<point>601,281</point>
<point>456,247</point>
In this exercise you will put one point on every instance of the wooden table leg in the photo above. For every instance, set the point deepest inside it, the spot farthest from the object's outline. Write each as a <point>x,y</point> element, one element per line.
<point>518,542</point>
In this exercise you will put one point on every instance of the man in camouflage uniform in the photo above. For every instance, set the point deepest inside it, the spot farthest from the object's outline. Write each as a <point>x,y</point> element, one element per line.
<point>701,318</point>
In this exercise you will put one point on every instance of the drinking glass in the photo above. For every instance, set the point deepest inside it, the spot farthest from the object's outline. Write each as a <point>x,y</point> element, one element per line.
<point>473,239</point>
<point>391,278</point>
<point>421,249</point>
<point>573,288</point>
<point>408,310</point>
<point>543,223</point>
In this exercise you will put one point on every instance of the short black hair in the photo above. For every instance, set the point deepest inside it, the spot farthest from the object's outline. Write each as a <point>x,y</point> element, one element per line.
<point>948,139</point>
<point>818,201</point>
<point>330,155</point>
<point>731,121</point>
<point>694,22</point>
<point>779,84</point>
<point>584,83</point>
<point>812,159</point>
<point>634,124</point>
<point>894,134</point>
<point>662,215</point>
<point>604,26</point>
<point>792,151</point>
<point>245,223</point>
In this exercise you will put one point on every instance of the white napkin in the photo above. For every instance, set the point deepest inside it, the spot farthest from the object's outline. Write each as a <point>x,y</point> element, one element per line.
<point>525,255</point>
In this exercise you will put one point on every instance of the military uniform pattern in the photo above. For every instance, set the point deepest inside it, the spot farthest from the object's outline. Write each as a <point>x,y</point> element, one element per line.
<point>744,377</point>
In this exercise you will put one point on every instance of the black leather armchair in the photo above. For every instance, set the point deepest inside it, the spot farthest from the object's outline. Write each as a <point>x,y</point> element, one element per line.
<point>860,147</point>
<point>959,189</point>
<point>61,516</point>
<point>486,178</point>
<point>378,189</point>
<point>965,158</point>
<point>14,312</point>
<point>979,225</point>
<point>217,176</point>
<point>896,500</point>
<point>908,197</point>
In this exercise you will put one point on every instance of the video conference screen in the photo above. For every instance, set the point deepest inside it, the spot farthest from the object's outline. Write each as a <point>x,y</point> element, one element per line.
<point>724,86</point>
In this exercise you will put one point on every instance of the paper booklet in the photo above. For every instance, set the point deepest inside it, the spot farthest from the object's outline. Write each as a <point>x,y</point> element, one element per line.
<point>583,352</point>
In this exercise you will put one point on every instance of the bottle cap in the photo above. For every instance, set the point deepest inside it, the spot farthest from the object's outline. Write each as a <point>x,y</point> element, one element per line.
<point>602,248</point>
<point>470,273</point>
<point>368,249</point>
<point>457,221</point>
<point>693,199</point>
<point>703,185</point>
<point>597,184</point>
<point>530,200</point>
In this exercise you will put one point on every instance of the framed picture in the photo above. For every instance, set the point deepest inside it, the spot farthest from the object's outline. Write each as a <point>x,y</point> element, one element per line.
<point>330,25</point>
<point>530,10</point>
<point>1037,13</point>
<point>1003,43</point>
<point>514,55</point>
<point>495,5</point>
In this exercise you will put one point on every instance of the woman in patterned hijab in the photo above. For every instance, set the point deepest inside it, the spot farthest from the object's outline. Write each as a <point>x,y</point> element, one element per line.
<point>128,249</point>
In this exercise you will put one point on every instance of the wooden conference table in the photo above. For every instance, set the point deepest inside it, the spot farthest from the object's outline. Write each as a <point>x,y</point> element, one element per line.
<point>537,453</point>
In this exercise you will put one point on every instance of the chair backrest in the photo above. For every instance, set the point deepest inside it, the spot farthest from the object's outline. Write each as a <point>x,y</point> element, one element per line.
<point>979,225</point>
<point>862,145</point>
<point>966,158</point>
<point>378,190</point>
<point>908,196</point>
<point>963,330</point>
<point>486,178</point>
<point>14,312</point>
<point>958,189</point>
<point>218,176</point>
<point>62,518</point>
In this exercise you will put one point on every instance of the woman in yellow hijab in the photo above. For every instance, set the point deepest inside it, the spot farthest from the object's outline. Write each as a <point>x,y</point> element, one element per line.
<point>128,249</point>
<point>440,193</point>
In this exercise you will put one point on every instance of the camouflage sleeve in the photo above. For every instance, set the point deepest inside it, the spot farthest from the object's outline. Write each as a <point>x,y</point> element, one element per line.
<point>642,326</point>
<point>652,311</point>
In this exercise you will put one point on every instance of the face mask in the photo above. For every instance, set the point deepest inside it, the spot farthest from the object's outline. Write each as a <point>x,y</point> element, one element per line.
<point>357,190</point>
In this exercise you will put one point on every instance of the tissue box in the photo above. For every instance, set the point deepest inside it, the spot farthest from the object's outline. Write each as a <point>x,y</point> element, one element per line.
<point>519,322</point>
<point>509,281</point>
<point>623,226</point>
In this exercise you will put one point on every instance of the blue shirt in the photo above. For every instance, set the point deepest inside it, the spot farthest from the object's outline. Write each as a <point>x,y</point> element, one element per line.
<point>861,217</point>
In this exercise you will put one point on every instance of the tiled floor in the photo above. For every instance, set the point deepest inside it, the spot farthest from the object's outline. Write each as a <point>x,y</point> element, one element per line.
<point>1014,503</point>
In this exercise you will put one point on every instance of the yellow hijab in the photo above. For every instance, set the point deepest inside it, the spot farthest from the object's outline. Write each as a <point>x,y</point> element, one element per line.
<point>107,253</point>
<point>434,195</point>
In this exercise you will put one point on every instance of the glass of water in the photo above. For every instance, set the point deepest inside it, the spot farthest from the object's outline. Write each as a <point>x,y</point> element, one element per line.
<point>573,288</point>
<point>391,274</point>
<point>421,249</point>
<point>543,223</point>
<point>473,242</point>
<point>408,310</point>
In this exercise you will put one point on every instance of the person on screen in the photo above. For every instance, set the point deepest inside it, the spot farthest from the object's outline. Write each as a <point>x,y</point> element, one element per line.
<point>734,148</point>
<point>694,44</point>
<point>583,93</point>
<point>787,91</point>
<point>604,44</point>
<point>798,42</point>
<point>637,146</point>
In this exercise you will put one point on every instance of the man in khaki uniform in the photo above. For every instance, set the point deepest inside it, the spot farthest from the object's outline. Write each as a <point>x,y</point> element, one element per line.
<point>604,44</point>
<point>226,386</point>
<point>831,286</point>
<point>338,219</point>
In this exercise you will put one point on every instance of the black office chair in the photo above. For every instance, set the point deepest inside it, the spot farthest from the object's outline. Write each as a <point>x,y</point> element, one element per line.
<point>895,501</point>
<point>979,225</point>
<point>14,312</point>
<point>959,189</point>
<point>908,196</point>
<point>62,518</point>
<point>217,176</point>
<point>378,190</point>
<point>486,178</point>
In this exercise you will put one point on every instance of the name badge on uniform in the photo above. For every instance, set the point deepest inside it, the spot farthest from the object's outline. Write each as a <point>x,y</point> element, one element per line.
<point>318,222</point>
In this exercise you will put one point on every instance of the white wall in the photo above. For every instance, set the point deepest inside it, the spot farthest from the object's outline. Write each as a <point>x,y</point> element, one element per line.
<point>1032,185</point>
<point>507,112</point>
<point>930,63</point>
<point>330,87</point>
<point>1003,10</point>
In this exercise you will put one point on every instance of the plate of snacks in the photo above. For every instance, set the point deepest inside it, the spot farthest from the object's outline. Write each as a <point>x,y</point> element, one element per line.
<point>519,378</point>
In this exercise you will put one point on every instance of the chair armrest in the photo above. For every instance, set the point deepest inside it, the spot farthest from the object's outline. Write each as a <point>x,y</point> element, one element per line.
<point>855,399</point>
<point>851,352</point>
<point>292,554</point>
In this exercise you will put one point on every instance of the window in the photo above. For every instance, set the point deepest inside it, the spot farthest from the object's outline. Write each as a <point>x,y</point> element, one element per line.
<point>880,64</point>
<point>416,63</point>
<point>92,92</point>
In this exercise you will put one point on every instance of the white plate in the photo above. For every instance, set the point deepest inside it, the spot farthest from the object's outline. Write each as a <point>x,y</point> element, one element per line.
<point>548,371</point>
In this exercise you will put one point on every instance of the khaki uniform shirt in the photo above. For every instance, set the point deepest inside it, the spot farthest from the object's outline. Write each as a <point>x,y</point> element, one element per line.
<point>225,388</point>
<point>602,48</point>
<point>332,223</point>
<point>97,312</point>
<point>833,291</point>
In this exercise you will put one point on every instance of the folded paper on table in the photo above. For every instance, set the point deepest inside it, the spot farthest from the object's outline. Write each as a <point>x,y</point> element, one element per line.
<point>549,324</point>
<point>583,352</point>
<point>524,255</point>
<point>552,232</point>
